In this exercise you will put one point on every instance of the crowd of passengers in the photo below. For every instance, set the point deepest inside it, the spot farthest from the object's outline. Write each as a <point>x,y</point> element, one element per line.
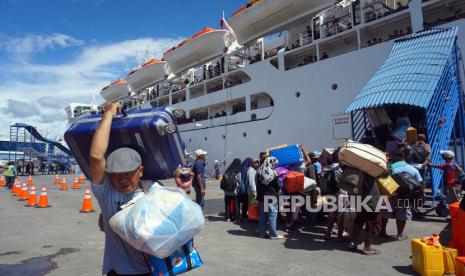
<point>256,178</point>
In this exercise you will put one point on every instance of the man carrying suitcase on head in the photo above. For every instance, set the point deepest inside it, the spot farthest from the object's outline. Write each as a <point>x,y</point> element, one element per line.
<point>115,181</point>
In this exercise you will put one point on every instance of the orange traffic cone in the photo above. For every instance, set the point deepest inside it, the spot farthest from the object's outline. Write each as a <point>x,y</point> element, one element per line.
<point>63,185</point>
<point>32,198</point>
<point>43,200</point>
<point>29,180</point>
<point>23,194</point>
<point>16,189</point>
<point>76,184</point>
<point>57,180</point>
<point>87,203</point>
<point>81,179</point>
<point>2,181</point>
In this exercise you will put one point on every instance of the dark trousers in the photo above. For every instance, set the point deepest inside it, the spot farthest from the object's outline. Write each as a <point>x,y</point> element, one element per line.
<point>199,198</point>
<point>234,201</point>
<point>9,181</point>
<point>244,205</point>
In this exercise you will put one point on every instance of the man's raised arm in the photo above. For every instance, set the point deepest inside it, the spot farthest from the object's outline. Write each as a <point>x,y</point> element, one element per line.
<point>99,144</point>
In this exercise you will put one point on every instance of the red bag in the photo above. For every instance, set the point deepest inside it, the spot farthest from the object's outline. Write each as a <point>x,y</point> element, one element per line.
<point>294,182</point>
<point>253,212</point>
<point>231,207</point>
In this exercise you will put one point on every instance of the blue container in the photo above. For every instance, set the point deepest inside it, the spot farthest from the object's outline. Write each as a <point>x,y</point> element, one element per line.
<point>152,132</point>
<point>288,155</point>
<point>183,260</point>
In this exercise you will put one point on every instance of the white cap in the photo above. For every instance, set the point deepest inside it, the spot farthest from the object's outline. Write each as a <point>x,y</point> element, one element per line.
<point>200,152</point>
<point>447,153</point>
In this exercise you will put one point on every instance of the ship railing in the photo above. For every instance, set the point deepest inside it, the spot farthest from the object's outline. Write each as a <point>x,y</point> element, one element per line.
<point>378,9</point>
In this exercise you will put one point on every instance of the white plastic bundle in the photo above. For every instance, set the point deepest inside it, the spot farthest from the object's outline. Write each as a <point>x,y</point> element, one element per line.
<point>160,222</point>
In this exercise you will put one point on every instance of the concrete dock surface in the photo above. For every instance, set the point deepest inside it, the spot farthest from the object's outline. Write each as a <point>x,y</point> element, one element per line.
<point>61,241</point>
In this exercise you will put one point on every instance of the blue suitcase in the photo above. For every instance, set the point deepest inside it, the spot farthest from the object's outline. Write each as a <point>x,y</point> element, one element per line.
<point>152,132</point>
<point>288,155</point>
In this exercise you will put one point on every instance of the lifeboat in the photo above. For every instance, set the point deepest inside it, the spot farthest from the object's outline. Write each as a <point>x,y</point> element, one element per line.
<point>150,72</point>
<point>199,48</point>
<point>259,18</point>
<point>115,90</point>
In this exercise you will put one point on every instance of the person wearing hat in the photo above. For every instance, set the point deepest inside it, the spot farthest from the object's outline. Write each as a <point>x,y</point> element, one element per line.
<point>451,171</point>
<point>200,175</point>
<point>115,181</point>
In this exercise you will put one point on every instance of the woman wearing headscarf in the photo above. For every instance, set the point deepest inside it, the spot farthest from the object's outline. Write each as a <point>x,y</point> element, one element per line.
<point>268,191</point>
<point>230,185</point>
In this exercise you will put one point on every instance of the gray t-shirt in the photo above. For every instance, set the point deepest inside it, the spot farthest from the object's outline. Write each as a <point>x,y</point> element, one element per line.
<point>119,255</point>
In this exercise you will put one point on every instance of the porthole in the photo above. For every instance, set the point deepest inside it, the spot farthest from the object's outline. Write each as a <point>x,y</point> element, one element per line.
<point>244,134</point>
<point>224,136</point>
<point>205,138</point>
<point>297,94</point>
<point>190,140</point>
<point>253,117</point>
<point>334,86</point>
<point>269,132</point>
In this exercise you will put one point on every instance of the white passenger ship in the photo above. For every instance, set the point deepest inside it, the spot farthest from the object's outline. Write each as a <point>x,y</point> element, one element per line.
<point>281,71</point>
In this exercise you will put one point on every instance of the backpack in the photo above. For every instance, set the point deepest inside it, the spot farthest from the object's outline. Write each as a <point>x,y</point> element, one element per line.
<point>229,182</point>
<point>409,186</point>
<point>352,180</point>
<point>243,187</point>
<point>418,154</point>
<point>329,183</point>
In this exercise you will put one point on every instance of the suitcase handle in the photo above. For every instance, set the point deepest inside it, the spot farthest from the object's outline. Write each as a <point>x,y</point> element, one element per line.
<point>123,113</point>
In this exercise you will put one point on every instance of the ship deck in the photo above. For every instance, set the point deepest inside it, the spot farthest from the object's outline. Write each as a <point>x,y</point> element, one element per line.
<point>61,241</point>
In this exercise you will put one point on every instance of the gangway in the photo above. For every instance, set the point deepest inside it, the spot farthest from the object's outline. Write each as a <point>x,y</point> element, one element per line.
<point>422,72</point>
<point>27,144</point>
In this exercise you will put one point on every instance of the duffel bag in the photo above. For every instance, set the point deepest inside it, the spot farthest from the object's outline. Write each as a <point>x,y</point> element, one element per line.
<point>408,185</point>
<point>366,158</point>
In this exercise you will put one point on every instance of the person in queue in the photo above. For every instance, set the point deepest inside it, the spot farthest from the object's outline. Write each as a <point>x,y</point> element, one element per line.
<point>200,175</point>
<point>401,210</point>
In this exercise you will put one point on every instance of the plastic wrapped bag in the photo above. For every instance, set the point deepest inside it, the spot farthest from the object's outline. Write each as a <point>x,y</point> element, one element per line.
<point>160,222</point>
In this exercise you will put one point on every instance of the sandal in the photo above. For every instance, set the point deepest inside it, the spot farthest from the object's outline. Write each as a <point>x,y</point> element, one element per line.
<point>371,252</point>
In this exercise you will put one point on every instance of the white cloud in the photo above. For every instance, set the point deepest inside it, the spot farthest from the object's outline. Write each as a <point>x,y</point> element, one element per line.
<point>24,46</point>
<point>50,88</point>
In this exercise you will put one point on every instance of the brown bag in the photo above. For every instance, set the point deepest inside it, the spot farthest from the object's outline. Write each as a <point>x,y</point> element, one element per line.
<point>364,157</point>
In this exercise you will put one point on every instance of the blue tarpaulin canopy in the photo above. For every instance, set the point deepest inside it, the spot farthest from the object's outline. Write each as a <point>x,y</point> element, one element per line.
<point>411,73</point>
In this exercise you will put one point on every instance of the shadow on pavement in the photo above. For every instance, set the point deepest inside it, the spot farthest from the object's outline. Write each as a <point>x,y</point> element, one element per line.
<point>405,270</point>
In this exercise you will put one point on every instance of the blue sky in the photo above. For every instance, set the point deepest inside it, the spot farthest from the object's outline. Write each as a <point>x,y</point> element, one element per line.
<point>53,52</point>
